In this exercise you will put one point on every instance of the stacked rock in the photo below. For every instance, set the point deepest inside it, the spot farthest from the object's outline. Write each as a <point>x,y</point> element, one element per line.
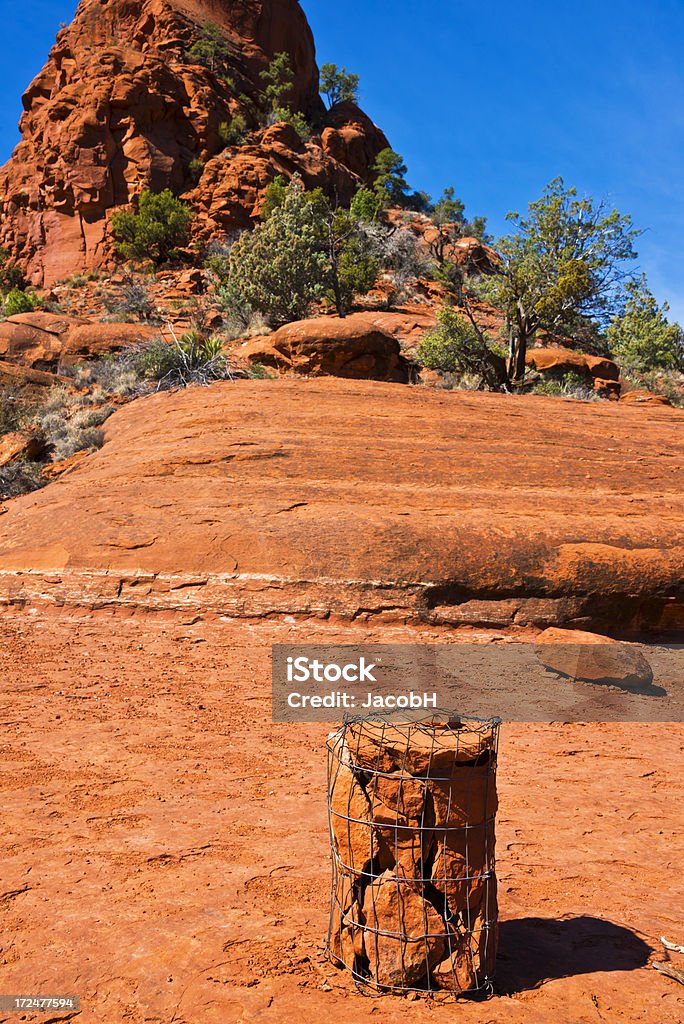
<point>412,808</point>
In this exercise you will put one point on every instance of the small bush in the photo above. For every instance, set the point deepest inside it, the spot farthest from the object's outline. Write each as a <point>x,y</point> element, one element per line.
<point>641,337</point>
<point>192,359</point>
<point>366,206</point>
<point>116,375</point>
<point>456,347</point>
<point>17,301</point>
<point>568,385</point>
<point>11,275</point>
<point>13,415</point>
<point>210,50</point>
<point>195,168</point>
<point>133,300</point>
<point>20,477</point>
<point>293,117</point>
<point>234,132</point>
<point>257,371</point>
<point>70,428</point>
<point>160,227</point>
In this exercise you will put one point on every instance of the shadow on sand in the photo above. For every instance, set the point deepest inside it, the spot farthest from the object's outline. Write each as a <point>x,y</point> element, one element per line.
<point>535,949</point>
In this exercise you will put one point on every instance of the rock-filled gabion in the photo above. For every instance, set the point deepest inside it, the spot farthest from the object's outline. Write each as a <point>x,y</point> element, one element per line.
<point>412,811</point>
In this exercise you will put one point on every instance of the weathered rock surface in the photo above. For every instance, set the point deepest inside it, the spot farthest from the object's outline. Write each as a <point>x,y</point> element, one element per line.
<point>43,341</point>
<point>640,396</point>
<point>35,340</point>
<point>25,375</point>
<point>120,106</point>
<point>93,340</point>
<point>362,498</point>
<point>19,444</point>
<point>585,656</point>
<point>354,347</point>
<point>405,940</point>
<point>556,359</point>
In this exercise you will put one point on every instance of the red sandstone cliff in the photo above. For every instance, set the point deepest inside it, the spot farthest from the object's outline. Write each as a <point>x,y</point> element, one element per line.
<point>120,106</point>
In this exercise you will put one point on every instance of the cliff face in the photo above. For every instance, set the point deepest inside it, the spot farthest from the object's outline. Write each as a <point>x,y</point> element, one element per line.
<point>120,106</point>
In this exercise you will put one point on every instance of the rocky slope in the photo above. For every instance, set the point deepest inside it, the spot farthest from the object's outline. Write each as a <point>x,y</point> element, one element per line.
<point>366,499</point>
<point>121,105</point>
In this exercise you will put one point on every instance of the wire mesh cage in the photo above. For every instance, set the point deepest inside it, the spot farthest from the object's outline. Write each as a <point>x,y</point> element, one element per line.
<point>411,808</point>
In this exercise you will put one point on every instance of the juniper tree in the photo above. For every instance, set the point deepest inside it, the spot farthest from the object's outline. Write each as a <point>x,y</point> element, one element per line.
<point>641,336</point>
<point>563,264</point>
<point>339,85</point>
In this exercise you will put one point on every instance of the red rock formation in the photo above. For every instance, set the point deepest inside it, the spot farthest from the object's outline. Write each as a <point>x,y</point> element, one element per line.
<point>46,341</point>
<point>120,106</point>
<point>355,347</point>
<point>358,498</point>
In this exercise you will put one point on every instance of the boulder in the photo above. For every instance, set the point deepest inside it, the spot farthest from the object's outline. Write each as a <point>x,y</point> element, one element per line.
<point>589,658</point>
<point>35,340</point>
<point>559,360</point>
<point>91,341</point>
<point>29,346</point>
<point>406,934</point>
<point>26,375</point>
<point>355,842</point>
<point>353,347</point>
<point>430,749</point>
<point>640,396</point>
<point>55,469</point>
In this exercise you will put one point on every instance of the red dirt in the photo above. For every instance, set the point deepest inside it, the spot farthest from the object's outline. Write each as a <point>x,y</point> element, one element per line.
<point>165,853</point>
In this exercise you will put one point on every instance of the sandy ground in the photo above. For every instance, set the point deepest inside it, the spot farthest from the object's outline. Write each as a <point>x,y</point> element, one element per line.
<point>165,849</point>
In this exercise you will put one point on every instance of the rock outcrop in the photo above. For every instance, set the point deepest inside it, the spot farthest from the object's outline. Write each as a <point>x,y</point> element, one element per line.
<point>122,105</point>
<point>362,499</point>
<point>599,371</point>
<point>583,656</point>
<point>46,341</point>
<point>354,347</point>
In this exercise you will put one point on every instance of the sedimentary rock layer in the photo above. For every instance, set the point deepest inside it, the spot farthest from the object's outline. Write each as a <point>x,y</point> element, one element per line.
<point>358,498</point>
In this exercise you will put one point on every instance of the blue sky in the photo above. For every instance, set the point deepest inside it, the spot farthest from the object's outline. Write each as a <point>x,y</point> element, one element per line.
<point>496,99</point>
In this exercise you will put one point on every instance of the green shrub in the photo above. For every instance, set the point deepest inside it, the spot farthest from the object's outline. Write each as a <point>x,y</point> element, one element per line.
<point>293,117</point>
<point>280,268</point>
<point>455,346</point>
<point>390,185</point>
<point>233,132</point>
<point>278,80</point>
<point>641,337</point>
<point>195,168</point>
<point>210,50</point>
<point>339,85</point>
<point>302,252</point>
<point>257,371</point>
<point>11,275</point>
<point>568,385</point>
<point>279,83</point>
<point>161,225</point>
<point>17,301</point>
<point>366,205</point>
